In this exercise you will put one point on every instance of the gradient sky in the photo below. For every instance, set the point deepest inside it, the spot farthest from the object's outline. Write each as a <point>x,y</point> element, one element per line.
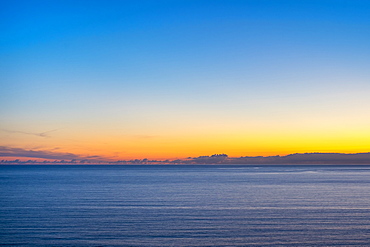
<point>172,79</point>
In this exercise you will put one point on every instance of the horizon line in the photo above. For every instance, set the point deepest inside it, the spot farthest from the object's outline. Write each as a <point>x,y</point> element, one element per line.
<point>293,158</point>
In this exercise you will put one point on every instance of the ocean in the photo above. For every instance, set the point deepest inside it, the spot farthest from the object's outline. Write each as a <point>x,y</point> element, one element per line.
<point>184,205</point>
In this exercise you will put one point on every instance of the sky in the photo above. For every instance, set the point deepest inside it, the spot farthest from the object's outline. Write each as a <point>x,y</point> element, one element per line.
<point>172,79</point>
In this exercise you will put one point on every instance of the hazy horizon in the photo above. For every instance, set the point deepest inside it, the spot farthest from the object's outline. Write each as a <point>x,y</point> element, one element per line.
<point>32,157</point>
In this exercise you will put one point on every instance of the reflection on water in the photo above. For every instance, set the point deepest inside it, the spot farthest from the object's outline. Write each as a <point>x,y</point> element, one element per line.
<point>185,205</point>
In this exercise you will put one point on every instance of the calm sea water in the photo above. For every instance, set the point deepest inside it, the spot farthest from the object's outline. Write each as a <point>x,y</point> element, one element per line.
<point>185,205</point>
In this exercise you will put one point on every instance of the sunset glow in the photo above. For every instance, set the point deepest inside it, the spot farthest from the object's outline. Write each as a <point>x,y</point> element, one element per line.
<point>121,80</point>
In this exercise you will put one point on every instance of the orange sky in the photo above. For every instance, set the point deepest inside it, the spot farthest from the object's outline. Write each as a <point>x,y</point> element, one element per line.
<point>163,81</point>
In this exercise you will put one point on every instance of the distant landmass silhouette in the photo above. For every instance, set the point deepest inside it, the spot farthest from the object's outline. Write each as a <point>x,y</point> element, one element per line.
<point>306,158</point>
<point>297,158</point>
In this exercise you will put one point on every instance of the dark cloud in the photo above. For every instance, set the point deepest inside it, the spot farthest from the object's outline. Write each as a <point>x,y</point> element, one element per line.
<point>46,154</point>
<point>42,154</point>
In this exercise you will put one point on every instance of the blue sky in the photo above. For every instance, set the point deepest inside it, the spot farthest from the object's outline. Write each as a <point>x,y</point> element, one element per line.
<point>204,68</point>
